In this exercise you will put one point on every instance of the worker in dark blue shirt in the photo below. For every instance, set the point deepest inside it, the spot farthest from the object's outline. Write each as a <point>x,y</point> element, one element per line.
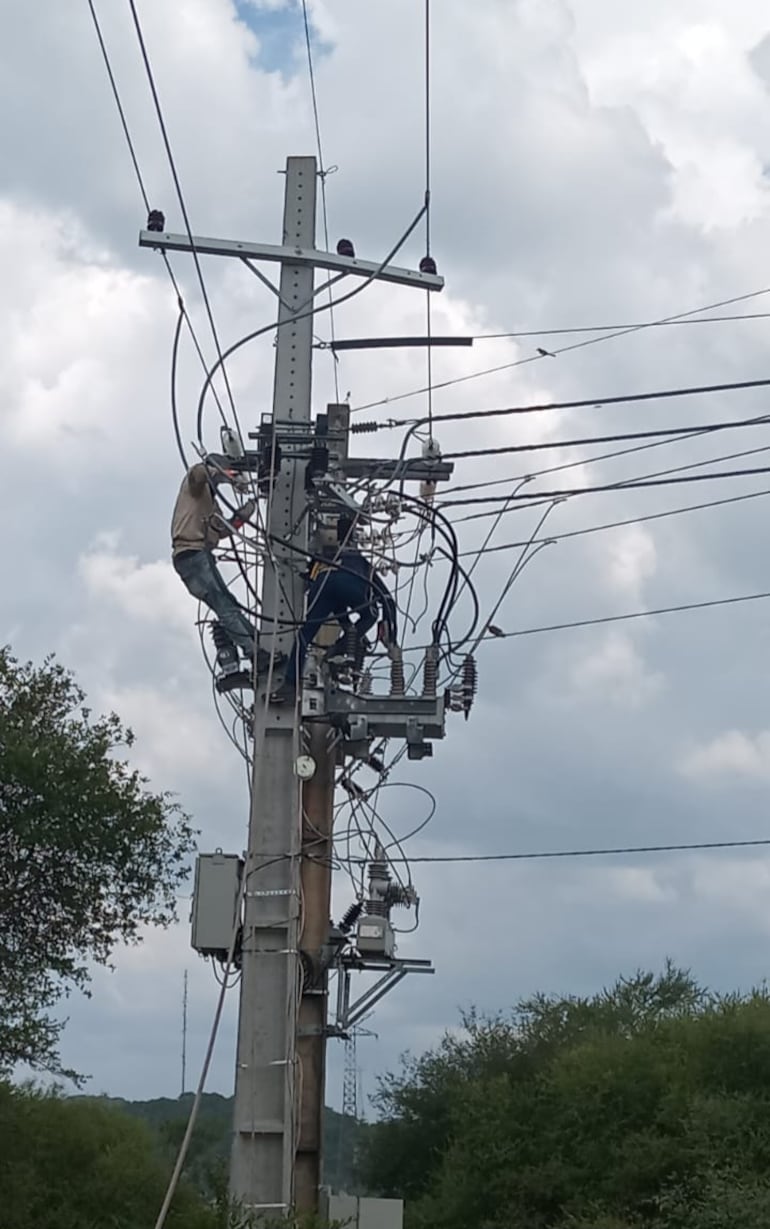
<point>345,584</point>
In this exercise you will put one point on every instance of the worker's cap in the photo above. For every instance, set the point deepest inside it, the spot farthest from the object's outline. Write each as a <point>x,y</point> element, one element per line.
<point>218,464</point>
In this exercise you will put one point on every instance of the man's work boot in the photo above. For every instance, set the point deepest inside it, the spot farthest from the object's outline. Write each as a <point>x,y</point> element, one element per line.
<point>285,694</point>
<point>263,661</point>
<point>234,682</point>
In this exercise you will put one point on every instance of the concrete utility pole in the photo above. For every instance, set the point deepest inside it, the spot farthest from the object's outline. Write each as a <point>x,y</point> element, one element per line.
<point>283,953</point>
<point>267,1074</point>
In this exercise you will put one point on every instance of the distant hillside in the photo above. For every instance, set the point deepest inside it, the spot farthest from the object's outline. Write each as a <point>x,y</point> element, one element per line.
<point>210,1147</point>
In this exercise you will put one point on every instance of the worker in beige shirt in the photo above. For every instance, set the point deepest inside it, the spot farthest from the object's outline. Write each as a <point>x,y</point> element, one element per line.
<point>197,527</point>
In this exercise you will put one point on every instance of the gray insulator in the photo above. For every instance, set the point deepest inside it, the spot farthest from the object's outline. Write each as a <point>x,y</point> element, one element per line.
<point>455,699</point>
<point>397,679</point>
<point>470,683</point>
<point>430,671</point>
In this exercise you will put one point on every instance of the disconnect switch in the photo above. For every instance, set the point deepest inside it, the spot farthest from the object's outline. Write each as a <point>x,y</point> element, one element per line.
<point>215,902</point>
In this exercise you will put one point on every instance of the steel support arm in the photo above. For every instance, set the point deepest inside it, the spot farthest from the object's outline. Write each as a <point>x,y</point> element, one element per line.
<point>299,257</point>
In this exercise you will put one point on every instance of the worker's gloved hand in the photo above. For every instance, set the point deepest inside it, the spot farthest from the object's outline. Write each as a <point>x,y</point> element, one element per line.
<point>244,514</point>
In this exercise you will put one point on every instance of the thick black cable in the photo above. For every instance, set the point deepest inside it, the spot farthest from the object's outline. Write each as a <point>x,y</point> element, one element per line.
<point>631,520</point>
<point>533,358</point>
<point>180,197</point>
<point>544,445</point>
<point>174,409</point>
<point>292,320</point>
<point>435,517</point>
<point>661,473</point>
<point>589,460</point>
<point>630,484</point>
<point>583,403</point>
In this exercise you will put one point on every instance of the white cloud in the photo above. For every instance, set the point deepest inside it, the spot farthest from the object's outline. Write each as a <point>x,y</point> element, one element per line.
<point>631,559</point>
<point>591,162</point>
<point>176,745</point>
<point>149,592</point>
<point>616,672</point>
<point>732,755</point>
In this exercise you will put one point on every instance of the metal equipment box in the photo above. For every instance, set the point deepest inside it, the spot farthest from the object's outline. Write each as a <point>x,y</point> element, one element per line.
<point>215,900</point>
<point>358,1213</point>
<point>375,936</point>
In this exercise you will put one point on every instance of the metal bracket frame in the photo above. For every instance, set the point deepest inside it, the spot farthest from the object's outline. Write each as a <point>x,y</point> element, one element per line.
<point>392,972</point>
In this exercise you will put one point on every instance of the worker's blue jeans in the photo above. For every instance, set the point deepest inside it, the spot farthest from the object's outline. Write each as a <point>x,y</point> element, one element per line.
<point>201,576</point>
<point>334,594</point>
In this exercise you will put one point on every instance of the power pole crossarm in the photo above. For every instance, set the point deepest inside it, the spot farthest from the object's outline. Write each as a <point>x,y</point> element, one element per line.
<point>300,257</point>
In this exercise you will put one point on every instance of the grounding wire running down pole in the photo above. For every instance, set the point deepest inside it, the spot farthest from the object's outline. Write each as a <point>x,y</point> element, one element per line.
<point>267,1076</point>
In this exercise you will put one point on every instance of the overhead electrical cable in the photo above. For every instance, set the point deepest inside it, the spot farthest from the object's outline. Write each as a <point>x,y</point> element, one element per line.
<point>182,204</point>
<point>693,390</point>
<point>625,485</point>
<point>544,445</point>
<point>586,853</point>
<point>634,614</point>
<point>631,520</point>
<point>323,172</point>
<point>674,469</point>
<point>591,341</point>
<point>602,328</point>
<point>428,316</point>
<point>142,186</point>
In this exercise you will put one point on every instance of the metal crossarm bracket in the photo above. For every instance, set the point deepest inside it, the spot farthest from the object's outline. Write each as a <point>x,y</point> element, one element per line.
<point>393,971</point>
<point>386,716</point>
<point>299,256</point>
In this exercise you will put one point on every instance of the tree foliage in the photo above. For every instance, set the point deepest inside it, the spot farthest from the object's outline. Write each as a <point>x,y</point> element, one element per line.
<point>644,1107</point>
<point>71,1163</point>
<point>88,854</point>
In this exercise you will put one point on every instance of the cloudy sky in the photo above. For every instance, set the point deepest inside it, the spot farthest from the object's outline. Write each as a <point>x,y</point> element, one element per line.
<point>593,163</point>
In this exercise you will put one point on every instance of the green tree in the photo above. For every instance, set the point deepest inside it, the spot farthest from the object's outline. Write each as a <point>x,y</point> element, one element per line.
<point>644,1106</point>
<point>75,1164</point>
<point>88,855</point>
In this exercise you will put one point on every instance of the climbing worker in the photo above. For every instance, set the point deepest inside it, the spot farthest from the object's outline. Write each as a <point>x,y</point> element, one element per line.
<point>340,585</point>
<point>197,526</point>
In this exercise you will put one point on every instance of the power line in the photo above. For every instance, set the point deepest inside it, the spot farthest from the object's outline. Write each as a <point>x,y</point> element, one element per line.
<point>584,403</point>
<point>661,473</point>
<point>604,456</point>
<point>322,174</point>
<point>631,520</point>
<point>182,205</point>
<point>428,306</point>
<point>601,328</point>
<point>634,614</point>
<point>695,429</point>
<point>143,191</point>
<point>584,853</point>
<point>622,332</point>
<point>625,485</point>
